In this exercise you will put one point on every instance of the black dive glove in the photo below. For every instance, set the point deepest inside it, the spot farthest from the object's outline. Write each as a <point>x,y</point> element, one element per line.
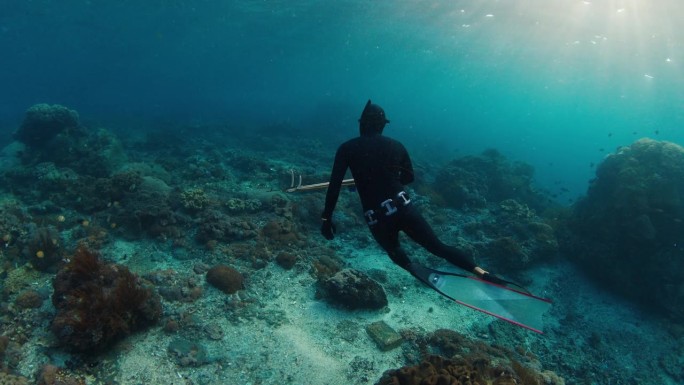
<point>328,229</point>
<point>494,279</point>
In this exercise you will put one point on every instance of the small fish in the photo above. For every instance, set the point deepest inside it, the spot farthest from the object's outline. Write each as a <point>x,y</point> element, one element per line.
<point>610,134</point>
<point>657,132</point>
<point>592,165</point>
<point>601,149</point>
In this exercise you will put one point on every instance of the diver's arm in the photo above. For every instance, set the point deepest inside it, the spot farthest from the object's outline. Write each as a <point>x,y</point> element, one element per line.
<point>336,177</point>
<point>406,168</point>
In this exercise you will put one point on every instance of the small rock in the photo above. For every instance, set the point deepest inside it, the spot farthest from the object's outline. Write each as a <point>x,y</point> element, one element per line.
<point>188,353</point>
<point>384,336</point>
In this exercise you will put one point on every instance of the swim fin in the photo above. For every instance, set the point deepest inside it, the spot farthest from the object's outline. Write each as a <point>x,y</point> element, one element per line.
<point>514,306</point>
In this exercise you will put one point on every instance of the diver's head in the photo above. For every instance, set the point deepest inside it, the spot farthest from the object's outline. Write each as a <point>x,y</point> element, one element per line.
<point>372,120</point>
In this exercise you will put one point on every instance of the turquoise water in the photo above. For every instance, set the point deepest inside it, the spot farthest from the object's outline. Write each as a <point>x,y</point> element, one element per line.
<point>557,84</point>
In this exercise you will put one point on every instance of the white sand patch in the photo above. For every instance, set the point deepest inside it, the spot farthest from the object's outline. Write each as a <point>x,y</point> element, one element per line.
<point>147,363</point>
<point>321,367</point>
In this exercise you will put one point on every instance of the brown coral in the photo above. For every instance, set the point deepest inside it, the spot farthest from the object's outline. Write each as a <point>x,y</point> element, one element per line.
<point>225,278</point>
<point>434,370</point>
<point>98,303</point>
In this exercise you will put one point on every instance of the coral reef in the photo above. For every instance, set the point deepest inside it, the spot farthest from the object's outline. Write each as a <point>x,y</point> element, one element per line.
<point>194,199</point>
<point>281,232</point>
<point>99,303</point>
<point>9,379</point>
<point>237,205</point>
<point>216,226</point>
<point>144,207</point>
<point>353,290</point>
<point>454,359</point>
<point>12,220</point>
<point>226,279</point>
<point>476,181</point>
<point>43,247</point>
<point>436,370</point>
<point>53,133</point>
<point>518,237</point>
<point>53,375</point>
<point>43,122</point>
<point>629,229</point>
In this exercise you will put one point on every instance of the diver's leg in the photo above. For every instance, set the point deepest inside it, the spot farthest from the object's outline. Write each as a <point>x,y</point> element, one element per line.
<point>388,238</point>
<point>417,228</point>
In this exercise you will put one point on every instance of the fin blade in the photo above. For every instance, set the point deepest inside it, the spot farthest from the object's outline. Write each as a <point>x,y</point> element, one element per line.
<point>510,305</point>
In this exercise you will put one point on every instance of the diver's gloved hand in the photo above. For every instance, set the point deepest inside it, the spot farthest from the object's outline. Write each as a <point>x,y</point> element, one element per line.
<point>328,229</point>
<point>489,277</point>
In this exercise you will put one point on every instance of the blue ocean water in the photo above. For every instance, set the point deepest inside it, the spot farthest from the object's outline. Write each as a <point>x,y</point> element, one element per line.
<point>557,84</point>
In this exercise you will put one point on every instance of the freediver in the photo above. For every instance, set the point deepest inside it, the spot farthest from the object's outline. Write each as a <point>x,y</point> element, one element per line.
<point>381,167</point>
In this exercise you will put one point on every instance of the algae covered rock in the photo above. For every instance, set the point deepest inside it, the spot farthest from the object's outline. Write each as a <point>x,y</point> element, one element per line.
<point>630,226</point>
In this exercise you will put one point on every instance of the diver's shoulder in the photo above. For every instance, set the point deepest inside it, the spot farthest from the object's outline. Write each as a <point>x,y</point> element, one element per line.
<point>350,142</point>
<point>348,145</point>
<point>393,141</point>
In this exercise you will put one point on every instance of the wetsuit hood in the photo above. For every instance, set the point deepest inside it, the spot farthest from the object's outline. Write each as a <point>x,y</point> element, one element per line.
<point>372,120</point>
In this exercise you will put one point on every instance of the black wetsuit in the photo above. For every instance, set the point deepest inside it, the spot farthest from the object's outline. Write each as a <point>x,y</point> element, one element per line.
<point>381,167</point>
